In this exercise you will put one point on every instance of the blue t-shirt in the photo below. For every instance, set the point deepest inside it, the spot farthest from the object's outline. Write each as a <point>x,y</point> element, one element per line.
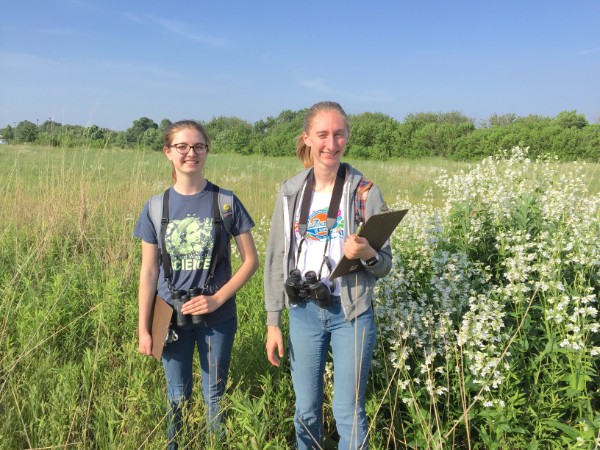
<point>189,239</point>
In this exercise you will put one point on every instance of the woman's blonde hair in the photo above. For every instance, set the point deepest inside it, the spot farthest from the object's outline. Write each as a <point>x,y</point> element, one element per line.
<point>175,128</point>
<point>302,150</point>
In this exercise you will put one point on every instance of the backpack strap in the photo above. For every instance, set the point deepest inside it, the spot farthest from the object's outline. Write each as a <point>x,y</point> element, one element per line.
<point>155,212</point>
<point>159,215</point>
<point>164,254</point>
<point>225,207</point>
<point>360,200</point>
<point>225,199</point>
<point>218,224</point>
<point>222,219</point>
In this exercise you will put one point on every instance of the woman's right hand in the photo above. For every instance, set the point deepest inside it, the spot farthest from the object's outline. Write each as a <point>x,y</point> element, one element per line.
<point>146,293</point>
<point>145,347</point>
<point>274,345</point>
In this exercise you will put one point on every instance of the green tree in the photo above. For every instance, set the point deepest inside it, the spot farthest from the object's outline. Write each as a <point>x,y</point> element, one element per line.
<point>153,139</point>
<point>570,119</point>
<point>277,136</point>
<point>134,134</point>
<point>532,120</point>
<point>95,133</point>
<point>8,132</point>
<point>49,126</point>
<point>426,134</point>
<point>119,139</point>
<point>26,131</point>
<point>501,120</point>
<point>439,139</point>
<point>73,136</point>
<point>163,127</point>
<point>373,135</point>
<point>230,134</point>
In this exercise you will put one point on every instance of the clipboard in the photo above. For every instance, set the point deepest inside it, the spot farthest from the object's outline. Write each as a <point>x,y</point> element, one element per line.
<point>161,319</point>
<point>377,229</point>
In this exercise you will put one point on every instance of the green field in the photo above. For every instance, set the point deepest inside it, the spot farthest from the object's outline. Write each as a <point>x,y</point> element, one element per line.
<point>70,374</point>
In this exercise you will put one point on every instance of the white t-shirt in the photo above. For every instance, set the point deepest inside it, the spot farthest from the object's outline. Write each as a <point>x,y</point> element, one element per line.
<point>313,247</point>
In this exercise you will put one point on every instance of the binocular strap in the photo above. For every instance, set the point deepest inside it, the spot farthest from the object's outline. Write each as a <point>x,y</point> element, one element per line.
<point>334,206</point>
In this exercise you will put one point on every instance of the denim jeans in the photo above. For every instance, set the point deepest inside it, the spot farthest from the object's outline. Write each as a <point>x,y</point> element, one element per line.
<point>312,330</point>
<point>214,351</point>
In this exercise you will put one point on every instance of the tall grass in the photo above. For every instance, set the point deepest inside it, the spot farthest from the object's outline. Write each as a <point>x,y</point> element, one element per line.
<point>70,374</point>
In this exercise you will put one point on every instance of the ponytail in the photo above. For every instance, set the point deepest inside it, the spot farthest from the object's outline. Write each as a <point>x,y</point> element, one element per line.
<point>303,152</point>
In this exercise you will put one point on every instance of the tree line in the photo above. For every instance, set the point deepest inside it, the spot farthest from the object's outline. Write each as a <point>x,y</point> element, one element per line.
<point>453,135</point>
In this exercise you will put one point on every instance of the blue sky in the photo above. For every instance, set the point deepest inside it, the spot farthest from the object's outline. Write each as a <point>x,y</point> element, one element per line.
<point>111,62</point>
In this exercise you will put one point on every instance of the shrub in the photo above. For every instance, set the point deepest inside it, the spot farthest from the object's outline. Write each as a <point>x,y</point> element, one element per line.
<point>489,322</point>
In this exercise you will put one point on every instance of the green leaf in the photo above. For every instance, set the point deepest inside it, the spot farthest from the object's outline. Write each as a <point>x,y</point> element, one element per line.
<point>573,433</point>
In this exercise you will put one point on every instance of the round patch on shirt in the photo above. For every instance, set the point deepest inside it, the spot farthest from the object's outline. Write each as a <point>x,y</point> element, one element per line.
<point>317,226</point>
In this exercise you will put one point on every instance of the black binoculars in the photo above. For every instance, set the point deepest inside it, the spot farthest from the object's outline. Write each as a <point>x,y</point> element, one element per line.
<point>298,290</point>
<point>180,297</point>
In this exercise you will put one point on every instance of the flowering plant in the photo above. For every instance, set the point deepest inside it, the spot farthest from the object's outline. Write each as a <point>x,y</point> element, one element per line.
<point>490,312</point>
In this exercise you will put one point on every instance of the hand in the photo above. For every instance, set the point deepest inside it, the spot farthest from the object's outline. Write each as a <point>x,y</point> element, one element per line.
<point>356,247</point>
<point>274,345</point>
<point>202,304</point>
<point>145,345</point>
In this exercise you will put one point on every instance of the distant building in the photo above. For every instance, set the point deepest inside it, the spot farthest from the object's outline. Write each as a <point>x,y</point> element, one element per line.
<point>2,140</point>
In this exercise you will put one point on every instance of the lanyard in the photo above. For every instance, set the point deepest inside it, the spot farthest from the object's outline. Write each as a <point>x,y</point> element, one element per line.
<point>334,206</point>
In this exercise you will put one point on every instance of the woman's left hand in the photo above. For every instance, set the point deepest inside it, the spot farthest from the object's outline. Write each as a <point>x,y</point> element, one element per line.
<point>202,304</point>
<point>356,247</point>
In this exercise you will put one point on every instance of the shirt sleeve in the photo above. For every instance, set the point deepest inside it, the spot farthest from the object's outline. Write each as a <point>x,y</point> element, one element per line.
<point>144,228</point>
<point>242,221</point>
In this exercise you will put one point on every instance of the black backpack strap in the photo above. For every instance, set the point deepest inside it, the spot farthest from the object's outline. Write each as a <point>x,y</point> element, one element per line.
<point>218,224</point>
<point>163,253</point>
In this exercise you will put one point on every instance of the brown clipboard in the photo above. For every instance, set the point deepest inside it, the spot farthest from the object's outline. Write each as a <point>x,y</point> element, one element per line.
<point>161,318</point>
<point>377,229</point>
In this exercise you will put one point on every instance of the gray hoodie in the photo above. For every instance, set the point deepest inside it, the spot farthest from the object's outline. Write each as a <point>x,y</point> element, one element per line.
<point>356,288</point>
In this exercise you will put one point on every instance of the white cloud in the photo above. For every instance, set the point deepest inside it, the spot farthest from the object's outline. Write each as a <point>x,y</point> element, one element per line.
<point>591,50</point>
<point>372,96</point>
<point>176,27</point>
<point>317,84</point>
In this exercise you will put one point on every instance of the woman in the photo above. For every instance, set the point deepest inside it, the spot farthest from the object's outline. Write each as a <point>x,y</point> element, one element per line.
<point>302,238</point>
<point>190,242</point>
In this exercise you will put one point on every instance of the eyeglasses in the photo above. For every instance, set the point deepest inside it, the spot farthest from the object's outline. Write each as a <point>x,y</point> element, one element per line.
<point>183,149</point>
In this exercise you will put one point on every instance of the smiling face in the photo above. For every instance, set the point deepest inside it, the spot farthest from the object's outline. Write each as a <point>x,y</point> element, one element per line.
<point>327,138</point>
<point>189,163</point>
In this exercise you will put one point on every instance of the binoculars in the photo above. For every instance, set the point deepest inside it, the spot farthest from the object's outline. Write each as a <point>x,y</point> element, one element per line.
<point>181,297</point>
<point>171,336</point>
<point>298,290</point>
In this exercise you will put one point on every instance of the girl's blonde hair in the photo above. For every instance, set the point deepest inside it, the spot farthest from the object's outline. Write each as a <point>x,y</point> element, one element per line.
<point>302,150</point>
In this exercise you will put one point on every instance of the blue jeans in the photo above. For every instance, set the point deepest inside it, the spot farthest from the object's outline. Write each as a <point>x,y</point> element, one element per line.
<point>312,330</point>
<point>214,350</point>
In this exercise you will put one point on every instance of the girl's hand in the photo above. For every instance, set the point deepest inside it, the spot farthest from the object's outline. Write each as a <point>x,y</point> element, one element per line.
<point>274,345</point>
<point>145,345</point>
<point>202,304</point>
